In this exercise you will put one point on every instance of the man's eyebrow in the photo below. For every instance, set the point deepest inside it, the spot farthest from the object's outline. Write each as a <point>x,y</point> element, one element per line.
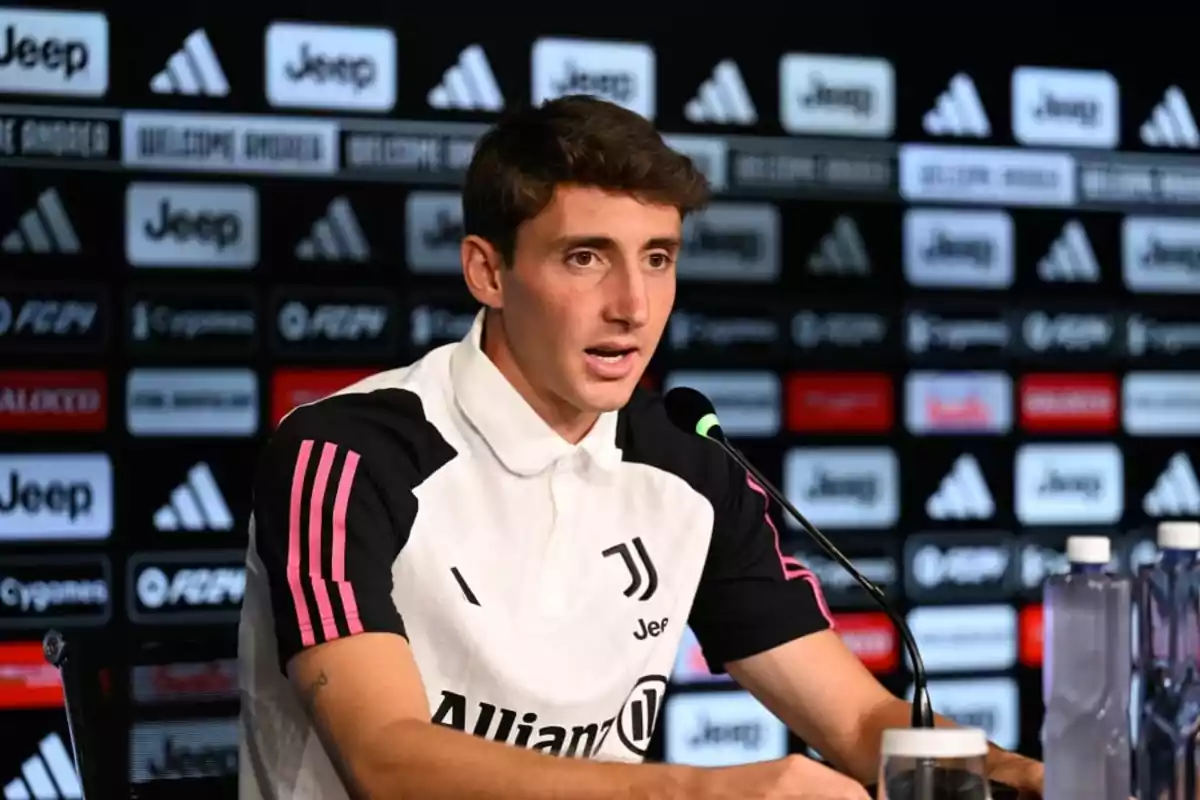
<point>600,242</point>
<point>663,243</point>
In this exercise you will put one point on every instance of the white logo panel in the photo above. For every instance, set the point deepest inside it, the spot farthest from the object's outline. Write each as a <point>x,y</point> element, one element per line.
<point>720,729</point>
<point>844,487</point>
<point>1161,254</point>
<point>55,497</point>
<point>191,225</point>
<point>958,249</point>
<point>1161,403</point>
<point>988,703</point>
<point>192,402</point>
<point>747,402</point>
<point>1069,484</point>
<point>838,95</point>
<point>620,72</point>
<point>1065,107</point>
<point>54,52</point>
<point>958,402</point>
<point>965,638</point>
<point>330,66</point>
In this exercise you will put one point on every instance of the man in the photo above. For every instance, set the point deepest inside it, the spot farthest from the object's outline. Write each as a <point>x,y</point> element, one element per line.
<point>507,538</point>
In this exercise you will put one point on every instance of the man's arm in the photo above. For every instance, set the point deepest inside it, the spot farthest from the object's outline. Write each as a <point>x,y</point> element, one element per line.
<point>820,689</point>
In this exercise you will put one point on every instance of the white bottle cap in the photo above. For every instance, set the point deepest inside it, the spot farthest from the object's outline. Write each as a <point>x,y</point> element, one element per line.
<point>1179,535</point>
<point>1089,549</point>
<point>934,743</point>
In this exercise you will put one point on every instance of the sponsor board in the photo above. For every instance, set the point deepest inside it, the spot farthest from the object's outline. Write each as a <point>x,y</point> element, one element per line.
<point>53,400</point>
<point>27,680</point>
<point>955,249</point>
<point>433,233</point>
<point>191,225</point>
<point>986,175</point>
<point>988,703</point>
<point>1031,648</point>
<point>1159,254</point>
<point>344,323</point>
<point>1068,334</point>
<point>434,323</point>
<point>839,402</point>
<point>184,682</point>
<point>297,387</point>
<point>218,322</point>
<point>330,66</point>
<point>973,567</point>
<point>53,319</point>
<point>1068,402</point>
<point>834,332</point>
<point>963,402</point>
<point>838,95</point>
<point>709,154</point>
<point>748,403</point>
<point>876,561</point>
<point>61,53</point>
<point>183,749</point>
<point>943,333</point>
<point>192,402</point>
<point>55,497</point>
<point>1069,484</point>
<point>844,487</point>
<point>49,136</point>
<point>872,637</point>
<point>723,332</point>
<point>717,729</point>
<point>1167,336</point>
<point>55,591</point>
<point>196,587</point>
<point>731,242</point>
<point>619,72</point>
<point>1065,107</point>
<point>965,638</point>
<point>1161,403</point>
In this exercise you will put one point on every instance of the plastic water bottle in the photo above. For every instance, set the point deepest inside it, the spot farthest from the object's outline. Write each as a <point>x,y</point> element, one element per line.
<point>1086,677</point>
<point>1168,639</point>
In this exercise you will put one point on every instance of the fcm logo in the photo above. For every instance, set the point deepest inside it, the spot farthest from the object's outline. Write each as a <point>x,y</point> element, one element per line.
<point>636,721</point>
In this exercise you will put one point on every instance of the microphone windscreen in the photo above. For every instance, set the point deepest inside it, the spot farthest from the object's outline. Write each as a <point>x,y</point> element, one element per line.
<point>686,407</point>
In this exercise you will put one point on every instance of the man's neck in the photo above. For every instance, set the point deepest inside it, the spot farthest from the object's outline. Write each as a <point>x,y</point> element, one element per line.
<point>567,421</point>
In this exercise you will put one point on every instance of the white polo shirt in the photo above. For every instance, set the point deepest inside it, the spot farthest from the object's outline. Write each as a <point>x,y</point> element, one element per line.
<point>542,586</point>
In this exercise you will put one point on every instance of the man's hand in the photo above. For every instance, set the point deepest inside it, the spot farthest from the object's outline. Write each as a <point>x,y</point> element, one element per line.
<point>1023,774</point>
<point>790,778</point>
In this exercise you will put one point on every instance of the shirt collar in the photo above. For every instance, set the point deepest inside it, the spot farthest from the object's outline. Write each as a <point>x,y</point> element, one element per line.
<point>521,439</point>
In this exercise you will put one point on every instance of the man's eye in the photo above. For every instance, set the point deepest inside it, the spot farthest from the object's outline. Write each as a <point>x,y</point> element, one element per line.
<point>660,260</point>
<point>583,258</point>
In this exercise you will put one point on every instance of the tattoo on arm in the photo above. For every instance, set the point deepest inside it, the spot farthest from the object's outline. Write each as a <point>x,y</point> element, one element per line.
<point>310,693</point>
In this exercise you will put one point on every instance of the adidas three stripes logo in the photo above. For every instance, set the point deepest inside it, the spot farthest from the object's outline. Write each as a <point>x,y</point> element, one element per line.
<point>958,111</point>
<point>722,99</point>
<point>193,70</point>
<point>47,775</point>
<point>469,85</point>
<point>1171,123</point>
<point>45,228</point>
<point>195,505</point>
<point>337,236</point>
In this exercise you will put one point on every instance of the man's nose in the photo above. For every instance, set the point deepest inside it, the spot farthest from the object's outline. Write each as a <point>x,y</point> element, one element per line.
<point>627,300</point>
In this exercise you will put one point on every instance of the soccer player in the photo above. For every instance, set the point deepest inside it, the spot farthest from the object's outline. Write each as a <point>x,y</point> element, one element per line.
<point>468,577</point>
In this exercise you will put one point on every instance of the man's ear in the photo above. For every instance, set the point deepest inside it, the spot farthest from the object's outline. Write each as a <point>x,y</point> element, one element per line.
<point>481,265</point>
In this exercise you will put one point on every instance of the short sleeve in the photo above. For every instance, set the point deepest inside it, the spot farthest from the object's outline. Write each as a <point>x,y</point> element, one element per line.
<point>751,598</point>
<point>329,521</point>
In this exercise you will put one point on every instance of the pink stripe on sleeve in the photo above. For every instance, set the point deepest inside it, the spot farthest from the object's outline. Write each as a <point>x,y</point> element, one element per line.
<point>340,504</point>
<point>792,569</point>
<point>315,509</point>
<point>293,556</point>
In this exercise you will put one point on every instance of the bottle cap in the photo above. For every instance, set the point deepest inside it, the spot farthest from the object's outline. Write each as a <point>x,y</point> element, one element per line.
<point>1179,535</point>
<point>934,743</point>
<point>1089,549</point>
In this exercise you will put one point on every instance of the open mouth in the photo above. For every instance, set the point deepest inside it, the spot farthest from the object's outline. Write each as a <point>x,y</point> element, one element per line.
<point>609,354</point>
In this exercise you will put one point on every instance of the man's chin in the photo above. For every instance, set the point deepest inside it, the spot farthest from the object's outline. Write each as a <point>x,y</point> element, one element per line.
<point>601,397</point>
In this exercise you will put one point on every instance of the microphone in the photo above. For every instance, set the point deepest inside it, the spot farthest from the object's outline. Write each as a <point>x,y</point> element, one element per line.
<point>691,411</point>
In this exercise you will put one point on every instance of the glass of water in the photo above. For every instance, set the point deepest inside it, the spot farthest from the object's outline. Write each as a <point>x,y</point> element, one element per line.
<point>933,764</point>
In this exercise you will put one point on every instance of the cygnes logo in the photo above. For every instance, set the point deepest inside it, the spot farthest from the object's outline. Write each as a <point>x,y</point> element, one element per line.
<point>193,69</point>
<point>1071,258</point>
<point>839,95</point>
<point>225,318</point>
<point>1071,107</point>
<point>1069,484</point>
<point>844,487</point>
<point>1171,123</point>
<point>1151,336</point>
<point>468,85</point>
<point>689,329</point>
<point>336,236</point>
<point>958,249</point>
<point>963,493</point>
<point>430,325</point>
<point>191,225</point>
<point>722,99</point>
<point>839,588</point>
<point>719,729</point>
<point>54,53</point>
<point>1161,403</point>
<point>192,402</point>
<point>988,703</point>
<point>193,587</point>
<point>747,402</point>
<point>55,497</point>
<point>926,332</point>
<point>330,66</point>
<point>731,242</point>
<point>44,228</point>
<point>1161,254</point>
<point>434,231</point>
<point>958,111</point>
<point>1176,492</point>
<point>620,72</point>
<point>195,505</point>
<point>958,403</point>
<point>49,774</point>
<point>842,251</point>
<point>965,638</point>
<point>49,591</point>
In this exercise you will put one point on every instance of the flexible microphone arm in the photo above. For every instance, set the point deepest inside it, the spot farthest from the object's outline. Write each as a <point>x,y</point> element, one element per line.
<point>922,709</point>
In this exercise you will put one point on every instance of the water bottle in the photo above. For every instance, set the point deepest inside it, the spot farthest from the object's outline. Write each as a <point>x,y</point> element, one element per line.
<point>1166,656</point>
<point>1086,677</point>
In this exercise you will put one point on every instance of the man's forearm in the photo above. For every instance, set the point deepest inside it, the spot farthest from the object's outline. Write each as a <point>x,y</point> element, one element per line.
<point>425,761</point>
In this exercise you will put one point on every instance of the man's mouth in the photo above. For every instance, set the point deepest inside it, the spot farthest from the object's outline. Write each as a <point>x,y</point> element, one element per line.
<point>610,354</point>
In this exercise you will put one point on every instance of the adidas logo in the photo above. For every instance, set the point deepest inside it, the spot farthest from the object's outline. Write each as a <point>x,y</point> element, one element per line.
<point>336,236</point>
<point>1171,123</point>
<point>841,251</point>
<point>195,505</point>
<point>469,85</point>
<point>49,775</point>
<point>1071,258</point>
<point>962,494</point>
<point>1176,493</point>
<point>193,70</point>
<point>45,228</point>
<point>958,111</point>
<point>722,99</point>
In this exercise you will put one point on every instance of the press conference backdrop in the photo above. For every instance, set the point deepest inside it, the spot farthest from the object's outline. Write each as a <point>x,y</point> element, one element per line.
<point>945,298</point>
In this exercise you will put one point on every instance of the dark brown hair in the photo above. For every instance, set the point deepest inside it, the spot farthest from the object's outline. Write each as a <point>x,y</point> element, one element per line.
<point>575,139</point>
